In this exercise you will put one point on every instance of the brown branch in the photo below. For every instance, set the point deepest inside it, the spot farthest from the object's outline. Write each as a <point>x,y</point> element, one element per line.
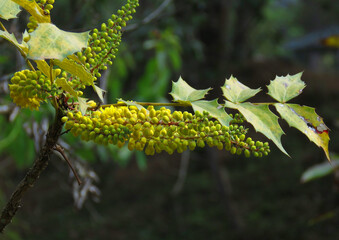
<point>33,173</point>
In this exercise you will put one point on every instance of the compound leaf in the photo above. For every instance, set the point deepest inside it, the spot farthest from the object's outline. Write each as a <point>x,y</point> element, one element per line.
<point>306,120</point>
<point>262,119</point>
<point>214,109</point>
<point>285,88</point>
<point>182,92</point>
<point>237,92</point>
<point>8,9</point>
<point>49,42</point>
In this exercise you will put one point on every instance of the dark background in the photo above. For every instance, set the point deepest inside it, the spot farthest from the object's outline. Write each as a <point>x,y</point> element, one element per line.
<point>221,196</point>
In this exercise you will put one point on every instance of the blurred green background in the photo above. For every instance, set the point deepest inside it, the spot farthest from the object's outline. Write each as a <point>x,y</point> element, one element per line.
<point>205,194</point>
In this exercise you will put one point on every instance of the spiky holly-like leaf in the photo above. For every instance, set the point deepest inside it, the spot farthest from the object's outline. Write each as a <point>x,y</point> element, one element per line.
<point>214,109</point>
<point>8,9</point>
<point>262,119</point>
<point>61,82</point>
<point>82,105</point>
<point>33,8</point>
<point>285,88</point>
<point>100,92</point>
<point>49,42</point>
<point>182,92</point>
<point>237,92</point>
<point>12,39</point>
<point>306,121</point>
<point>76,69</point>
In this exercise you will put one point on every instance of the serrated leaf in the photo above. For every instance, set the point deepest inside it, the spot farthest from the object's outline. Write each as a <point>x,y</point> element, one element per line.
<point>131,103</point>
<point>49,42</point>
<point>61,82</point>
<point>182,92</point>
<point>319,171</point>
<point>237,92</point>
<point>262,119</point>
<point>33,8</point>
<point>285,88</point>
<point>100,92</point>
<point>214,109</point>
<point>12,39</point>
<point>76,69</point>
<point>82,105</point>
<point>8,9</point>
<point>306,120</point>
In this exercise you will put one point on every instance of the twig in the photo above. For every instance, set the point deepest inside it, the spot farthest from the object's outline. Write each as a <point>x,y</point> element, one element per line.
<point>185,158</point>
<point>58,148</point>
<point>33,173</point>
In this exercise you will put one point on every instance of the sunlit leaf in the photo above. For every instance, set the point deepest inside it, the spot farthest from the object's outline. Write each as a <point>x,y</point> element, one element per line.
<point>262,119</point>
<point>49,42</point>
<point>43,66</point>
<point>33,8</point>
<point>306,121</point>
<point>214,109</point>
<point>285,88</point>
<point>237,92</point>
<point>82,105</point>
<point>319,171</point>
<point>76,69</point>
<point>100,92</point>
<point>12,39</point>
<point>131,103</point>
<point>8,9</point>
<point>62,82</point>
<point>182,92</point>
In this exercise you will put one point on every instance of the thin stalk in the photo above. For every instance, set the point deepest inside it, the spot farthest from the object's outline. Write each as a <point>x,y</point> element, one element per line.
<point>149,104</point>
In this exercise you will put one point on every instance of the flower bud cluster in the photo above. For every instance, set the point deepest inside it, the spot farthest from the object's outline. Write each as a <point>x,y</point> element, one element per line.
<point>103,43</point>
<point>45,5</point>
<point>160,130</point>
<point>29,88</point>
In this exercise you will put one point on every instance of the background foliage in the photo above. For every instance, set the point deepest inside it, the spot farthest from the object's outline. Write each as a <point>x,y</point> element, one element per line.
<point>204,41</point>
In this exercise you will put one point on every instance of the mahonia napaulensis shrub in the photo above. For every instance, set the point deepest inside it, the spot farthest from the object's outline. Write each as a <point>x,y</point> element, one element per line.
<point>154,131</point>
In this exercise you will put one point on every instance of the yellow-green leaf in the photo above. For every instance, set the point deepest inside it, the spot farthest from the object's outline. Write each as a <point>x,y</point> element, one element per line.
<point>319,170</point>
<point>285,88</point>
<point>62,82</point>
<point>214,109</point>
<point>131,103</point>
<point>49,42</point>
<point>262,119</point>
<point>33,8</point>
<point>100,92</point>
<point>8,9</point>
<point>82,105</point>
<point>12,39</point>
<point>76,69</point>
<point>182,92</point>
<point>307,121</point>
<point>237,92</point>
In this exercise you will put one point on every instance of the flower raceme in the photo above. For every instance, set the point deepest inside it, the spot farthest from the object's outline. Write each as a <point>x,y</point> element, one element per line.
<point>154,131</point>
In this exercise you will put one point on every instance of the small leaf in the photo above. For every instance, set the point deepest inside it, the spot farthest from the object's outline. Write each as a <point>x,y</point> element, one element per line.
<point>214,109</point>
<point>237,92</point>
<point>131,103</point>
<point>12,39</point>
<point>285,88</point>
<point>262,119</point>
<point>76,69</point>
<point>306,120</point>
<point>61,82</point>
<point>100,92</point>
<point>33,8</point>
<point>49,42</point>
<point>319,171</point>
<point>182,92</point>
<point>82,105</point>
<point>8,9</point>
